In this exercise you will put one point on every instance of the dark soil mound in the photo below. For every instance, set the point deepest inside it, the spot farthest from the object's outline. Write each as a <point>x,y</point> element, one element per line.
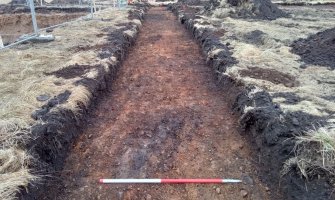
<point>264,9</point>
<point>271,75</point>
<point>260,9</point>
<point>318,49</point>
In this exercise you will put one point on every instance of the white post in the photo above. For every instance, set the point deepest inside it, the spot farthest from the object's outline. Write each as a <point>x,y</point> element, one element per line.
<point>94,7</point>
<point>1,43</point>
<point>33,16</point>
<point>91,9</point>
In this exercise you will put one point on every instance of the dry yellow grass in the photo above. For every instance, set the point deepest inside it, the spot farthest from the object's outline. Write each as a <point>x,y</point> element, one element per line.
<point>314,151</point>
<point>273,52</point>
<point>23,78</point>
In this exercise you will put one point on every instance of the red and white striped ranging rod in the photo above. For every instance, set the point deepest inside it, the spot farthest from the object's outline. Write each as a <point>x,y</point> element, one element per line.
<point>170,181</point>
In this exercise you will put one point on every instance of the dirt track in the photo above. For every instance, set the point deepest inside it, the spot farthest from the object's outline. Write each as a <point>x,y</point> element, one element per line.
<point>164,117</point>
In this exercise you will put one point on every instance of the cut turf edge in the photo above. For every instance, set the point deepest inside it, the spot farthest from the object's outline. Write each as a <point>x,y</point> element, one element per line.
<point>265,124</point>
<point>48,140</point>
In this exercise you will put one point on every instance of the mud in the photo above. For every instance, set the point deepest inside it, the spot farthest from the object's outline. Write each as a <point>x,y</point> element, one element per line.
<point>255,37</point>
<point>317,49</point>
<point>59,99</point>
<point>270,129</point>
<point>71,71</point>
<point>163,117</point>
<point>271,75</point>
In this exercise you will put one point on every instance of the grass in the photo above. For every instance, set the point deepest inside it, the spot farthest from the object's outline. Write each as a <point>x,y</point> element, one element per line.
<point>313,151</point>
<point>23,77</point>
<point>273,51</point>
<point>14,172</point>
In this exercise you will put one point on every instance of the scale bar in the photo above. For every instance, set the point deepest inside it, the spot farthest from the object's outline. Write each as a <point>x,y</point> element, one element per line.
<point>169,181</point>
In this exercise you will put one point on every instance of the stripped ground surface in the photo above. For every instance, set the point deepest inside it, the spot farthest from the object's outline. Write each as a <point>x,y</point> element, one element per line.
<point>12,26</point>
<point>164,117</point>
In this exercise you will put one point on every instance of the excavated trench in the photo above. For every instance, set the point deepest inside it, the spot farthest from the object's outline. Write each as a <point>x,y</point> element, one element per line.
<point>163,117</point>
<point>15,24</point>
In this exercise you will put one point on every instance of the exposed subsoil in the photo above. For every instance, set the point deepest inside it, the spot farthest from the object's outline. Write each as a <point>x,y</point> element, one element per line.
<point>12,26</point>
<point>12,9</point>
<point>164,117</point>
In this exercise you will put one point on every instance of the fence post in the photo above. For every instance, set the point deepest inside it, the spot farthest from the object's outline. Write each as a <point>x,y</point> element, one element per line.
<point>91,9</point>
<point>1,43</point>
<point>33,16</point>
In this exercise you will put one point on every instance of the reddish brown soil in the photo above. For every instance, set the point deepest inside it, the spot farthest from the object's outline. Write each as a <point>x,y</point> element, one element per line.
<point>12,26</point>
<point>164,117</point>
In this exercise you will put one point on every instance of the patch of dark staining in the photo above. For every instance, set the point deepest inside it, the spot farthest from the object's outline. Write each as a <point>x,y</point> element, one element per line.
<point>155,38</point>
<point>160,138</point>
<point>255,37</point>
<point>71,71</point>
<point>271,75</point>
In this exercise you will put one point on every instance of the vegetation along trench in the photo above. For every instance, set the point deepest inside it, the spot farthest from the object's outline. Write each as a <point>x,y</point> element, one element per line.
<point>164,117</point>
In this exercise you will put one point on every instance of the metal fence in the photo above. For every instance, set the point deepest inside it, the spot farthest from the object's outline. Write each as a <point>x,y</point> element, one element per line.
<point>23,20</point>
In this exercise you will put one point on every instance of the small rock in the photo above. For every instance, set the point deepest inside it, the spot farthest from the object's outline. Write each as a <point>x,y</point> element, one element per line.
<point>303,66</point>
<point>148,197</point>
<point>267,189</point>
<point>43,97</point>
<point>58,83</point>
<point>90,136</point>
<point>247,180</point>
<point>295,121</point>
<point>244,193</point>
<point>218,190</point>
<point>221,170</point>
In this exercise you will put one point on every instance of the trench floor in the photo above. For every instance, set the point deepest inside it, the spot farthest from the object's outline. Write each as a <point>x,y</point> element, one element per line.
<point>164,117</point>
